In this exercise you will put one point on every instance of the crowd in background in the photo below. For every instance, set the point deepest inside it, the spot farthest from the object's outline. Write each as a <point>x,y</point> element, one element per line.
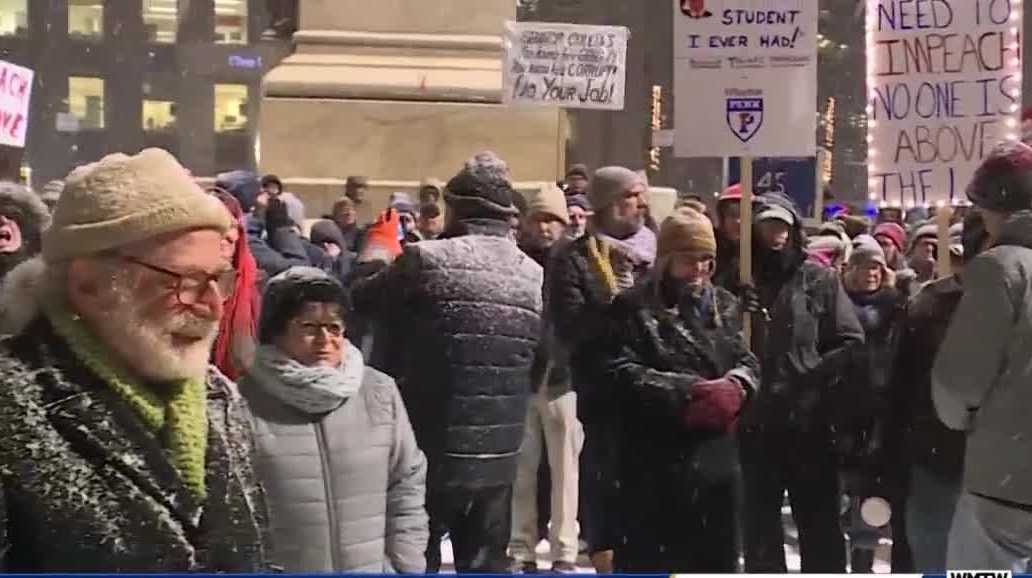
<point>500,368</point>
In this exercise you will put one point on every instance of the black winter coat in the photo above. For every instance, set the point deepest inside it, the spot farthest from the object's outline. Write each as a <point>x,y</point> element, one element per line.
<point>926,441</point>
<point>860,400</point>
<point>462,317</point>
<point>653,359</point>
<point>805,346</point>
<point>84,487</point>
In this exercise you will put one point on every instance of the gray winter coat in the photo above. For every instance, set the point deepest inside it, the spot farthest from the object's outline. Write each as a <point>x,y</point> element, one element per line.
<point>346,491</point>
<point>982,379</point>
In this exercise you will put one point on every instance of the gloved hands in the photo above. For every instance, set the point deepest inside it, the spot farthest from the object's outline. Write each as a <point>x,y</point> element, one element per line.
<point>750,299</point>
<point>714,405</point>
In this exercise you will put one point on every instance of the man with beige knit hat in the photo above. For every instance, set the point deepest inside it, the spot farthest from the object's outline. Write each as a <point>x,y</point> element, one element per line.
<point>121,449</point>
<point>678,361</point>
<point>551,415</point>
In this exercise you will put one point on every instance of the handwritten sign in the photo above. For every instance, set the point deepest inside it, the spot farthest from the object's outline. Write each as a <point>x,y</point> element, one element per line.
<point>944,86</point>
<point>745,78</point>
<point>567,65</point>
<point>15,95</point>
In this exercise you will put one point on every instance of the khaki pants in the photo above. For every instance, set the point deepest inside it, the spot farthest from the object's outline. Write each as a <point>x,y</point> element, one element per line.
<point>557,421</point>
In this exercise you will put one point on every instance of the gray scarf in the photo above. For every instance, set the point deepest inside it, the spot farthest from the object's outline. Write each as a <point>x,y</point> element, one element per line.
<point>312,390</point>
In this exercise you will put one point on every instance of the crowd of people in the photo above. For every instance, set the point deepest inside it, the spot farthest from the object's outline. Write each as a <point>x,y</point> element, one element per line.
<point>208,380</point>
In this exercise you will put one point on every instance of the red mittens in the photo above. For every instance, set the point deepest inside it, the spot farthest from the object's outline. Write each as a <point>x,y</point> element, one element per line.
<point>714,405</point>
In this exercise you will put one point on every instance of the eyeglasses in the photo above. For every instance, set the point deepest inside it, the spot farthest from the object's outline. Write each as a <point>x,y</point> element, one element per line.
<point>313,329</point>
<point>191,287</point>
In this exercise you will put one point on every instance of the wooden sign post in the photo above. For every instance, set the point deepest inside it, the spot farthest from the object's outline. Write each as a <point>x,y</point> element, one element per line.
<point>745,238</point>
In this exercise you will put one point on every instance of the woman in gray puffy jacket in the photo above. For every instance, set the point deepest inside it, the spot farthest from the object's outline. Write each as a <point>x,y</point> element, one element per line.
<point>336,454</point>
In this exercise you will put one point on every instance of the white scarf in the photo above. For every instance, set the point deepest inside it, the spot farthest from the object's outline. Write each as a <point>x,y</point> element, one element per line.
<point>312,390</point>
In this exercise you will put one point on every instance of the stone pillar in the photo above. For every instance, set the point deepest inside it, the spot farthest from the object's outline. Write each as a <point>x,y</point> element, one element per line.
<point>399,90</point>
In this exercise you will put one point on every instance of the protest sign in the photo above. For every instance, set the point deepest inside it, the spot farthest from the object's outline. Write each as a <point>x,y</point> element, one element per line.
<point>745,78</point>
<point>567,65</point>
<point>15,95</point>
<point>944,87</point>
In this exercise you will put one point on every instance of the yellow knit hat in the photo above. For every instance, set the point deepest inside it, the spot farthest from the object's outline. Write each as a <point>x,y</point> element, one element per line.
<point>550,200</point>
<point>122,199</point>
<point>686,230</point>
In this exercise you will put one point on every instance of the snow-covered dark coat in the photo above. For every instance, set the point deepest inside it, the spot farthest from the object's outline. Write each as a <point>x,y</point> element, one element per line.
<point>654,357</point>
<point>85,487</point>
<point>808,340</point>
<point>463,318</point>
<point>925,440</point>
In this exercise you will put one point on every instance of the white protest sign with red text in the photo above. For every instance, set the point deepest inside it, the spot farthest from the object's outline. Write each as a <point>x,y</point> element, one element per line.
<point>15,95</point>
<point>944,86</point>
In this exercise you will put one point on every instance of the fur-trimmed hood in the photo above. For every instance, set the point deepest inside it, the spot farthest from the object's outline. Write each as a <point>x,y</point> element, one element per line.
<point>20,296</point>
<point>21,204</point>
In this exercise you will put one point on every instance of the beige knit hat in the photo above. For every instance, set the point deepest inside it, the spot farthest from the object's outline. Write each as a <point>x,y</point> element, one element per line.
<point>121,200</point>
<point>686,230</point>
<point>550,200</point>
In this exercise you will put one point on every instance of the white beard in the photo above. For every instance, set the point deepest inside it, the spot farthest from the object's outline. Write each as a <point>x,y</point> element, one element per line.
<point>145,344</point>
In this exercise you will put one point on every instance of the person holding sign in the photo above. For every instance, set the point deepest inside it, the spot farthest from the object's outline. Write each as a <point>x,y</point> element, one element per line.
<point>980,381</point>
<point>804,331</point>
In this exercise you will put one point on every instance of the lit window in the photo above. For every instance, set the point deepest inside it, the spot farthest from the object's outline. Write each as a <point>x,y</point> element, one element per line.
<point>159,115</point>
<point>85,18</point>
<point>86,101</point>
<point>230,107</point>
<point>161,20</point>
<point>14,17</point>
<point>231,21</point>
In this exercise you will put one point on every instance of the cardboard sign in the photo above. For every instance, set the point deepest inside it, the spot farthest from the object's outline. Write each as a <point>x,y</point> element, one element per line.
<point>944,86</point>
<point>566,65</point>
<point>745,78</point>
<point>15,96</point>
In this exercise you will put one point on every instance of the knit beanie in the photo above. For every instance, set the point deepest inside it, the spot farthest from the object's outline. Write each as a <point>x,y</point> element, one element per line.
<point>381,241</point>
<point>1003,182</point>
<point>325,231</point>
<point>922,231</point>
<point>402,202</point>
<point>121,200</point>
<point>578,201</point>
<point>865,250</point>
<point>893,232</point>
<point>686,230</point>
<point>577,170</point>
<point>550,201</point>
<point>244,185</point>
<point>287,293</point>
<point>609,184</point>
<point>481,190</point>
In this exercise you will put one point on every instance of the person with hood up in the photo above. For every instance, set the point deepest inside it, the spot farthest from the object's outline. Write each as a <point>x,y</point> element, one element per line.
<point>588,273</point>
<point>123,450</point>
<point>804,331</point>
<point>345,215</point>
<point>932,455</point>
<point>681,370</point>
<point>356,188</point>
<point>407,214</point>
<point>729,230</point>
<point>577,179</point>
<point>23,219</point>
<point>327,237</point>
<point>335,452</point>
<point>238,330</point>
<point>463,319</point>
<point>551,417</point>
<point>431,191</point>
<point>579,210</point>
<point>861,405</point>
<point>289,249</point>
<point>980,381</point>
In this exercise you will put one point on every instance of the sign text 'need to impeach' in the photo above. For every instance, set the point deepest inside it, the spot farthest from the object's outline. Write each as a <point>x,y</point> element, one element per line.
<point>944,87</point>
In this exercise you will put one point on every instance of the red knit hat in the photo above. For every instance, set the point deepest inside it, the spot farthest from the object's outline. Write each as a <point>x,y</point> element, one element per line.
<point>892,232</point>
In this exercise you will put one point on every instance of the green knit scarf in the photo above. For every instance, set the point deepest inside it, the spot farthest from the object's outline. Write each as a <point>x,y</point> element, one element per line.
<point>178,414</point>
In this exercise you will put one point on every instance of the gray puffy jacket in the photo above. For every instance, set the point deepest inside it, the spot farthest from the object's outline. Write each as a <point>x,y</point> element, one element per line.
<point>346,492</point>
